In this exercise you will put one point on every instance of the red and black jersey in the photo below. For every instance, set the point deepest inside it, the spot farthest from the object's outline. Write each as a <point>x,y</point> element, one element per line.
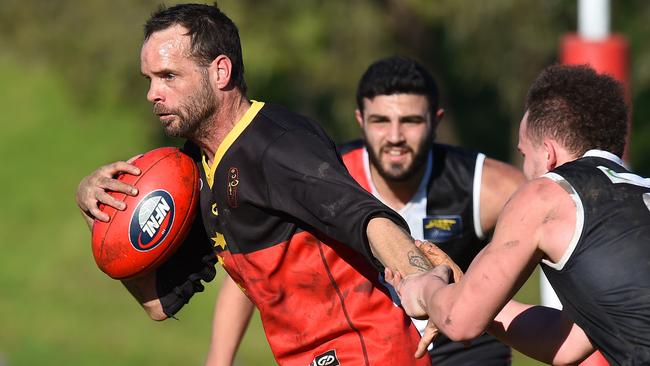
<point>603,278</point>
<point>448,201</point>
<point>289,223</point>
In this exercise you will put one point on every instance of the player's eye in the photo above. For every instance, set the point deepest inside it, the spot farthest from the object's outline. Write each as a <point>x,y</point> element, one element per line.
<point>413,120</point>
<point>378,120</point>
<point>169,76</point>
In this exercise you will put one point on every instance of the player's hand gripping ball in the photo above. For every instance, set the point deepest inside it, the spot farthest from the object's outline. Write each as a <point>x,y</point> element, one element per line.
<point>155,222</point>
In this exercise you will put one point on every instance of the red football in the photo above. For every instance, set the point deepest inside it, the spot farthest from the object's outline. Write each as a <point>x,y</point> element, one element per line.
<point>155,222</point>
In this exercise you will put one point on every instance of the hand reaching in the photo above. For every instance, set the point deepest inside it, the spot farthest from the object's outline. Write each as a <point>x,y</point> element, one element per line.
<point>437,257</point>
<point>415,294</point>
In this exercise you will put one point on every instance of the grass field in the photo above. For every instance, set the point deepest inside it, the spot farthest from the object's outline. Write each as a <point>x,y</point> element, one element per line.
<point>57,308</point>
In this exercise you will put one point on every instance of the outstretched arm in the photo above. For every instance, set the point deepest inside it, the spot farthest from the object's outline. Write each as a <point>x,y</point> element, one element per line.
<point>396,250</point>
<point>232,314</point>
<point>539,214</point>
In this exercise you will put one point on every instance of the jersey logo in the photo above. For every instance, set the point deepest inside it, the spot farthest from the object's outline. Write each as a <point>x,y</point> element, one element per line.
<point>628,178</point>
<point>326,359</point>
<point>151,220</point>
<point>233,182</point>
<point>441,228</point>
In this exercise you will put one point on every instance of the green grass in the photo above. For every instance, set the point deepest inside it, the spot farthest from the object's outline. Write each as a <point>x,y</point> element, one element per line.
<point>57,308</point>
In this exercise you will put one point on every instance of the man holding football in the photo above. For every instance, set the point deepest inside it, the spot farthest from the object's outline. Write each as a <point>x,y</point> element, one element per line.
<point>298,235</point>
<point>584,217</point>
<point>449,195</point>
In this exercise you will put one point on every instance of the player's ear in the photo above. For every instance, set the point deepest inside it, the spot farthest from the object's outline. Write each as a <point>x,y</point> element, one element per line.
<point>220,71</point>
<point>359,116</point>
<point>440,113</point>
<point>551,154</point>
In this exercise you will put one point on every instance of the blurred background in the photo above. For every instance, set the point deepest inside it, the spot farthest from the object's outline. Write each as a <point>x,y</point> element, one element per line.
<point>72,98</point>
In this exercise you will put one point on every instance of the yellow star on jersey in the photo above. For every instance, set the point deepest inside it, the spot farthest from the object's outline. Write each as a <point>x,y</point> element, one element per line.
<point>220,260</point>
<point>219,240</point>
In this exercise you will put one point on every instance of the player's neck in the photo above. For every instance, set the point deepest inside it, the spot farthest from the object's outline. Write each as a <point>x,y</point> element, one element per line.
<point>230,110</point>
<point>396,194</point>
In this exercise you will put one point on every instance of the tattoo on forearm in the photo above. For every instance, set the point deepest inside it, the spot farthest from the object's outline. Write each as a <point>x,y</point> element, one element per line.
<point>416,260</point>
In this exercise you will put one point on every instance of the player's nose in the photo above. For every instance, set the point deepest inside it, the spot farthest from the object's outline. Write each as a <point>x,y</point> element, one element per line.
<point>154,94</point>
<point>395,134</point>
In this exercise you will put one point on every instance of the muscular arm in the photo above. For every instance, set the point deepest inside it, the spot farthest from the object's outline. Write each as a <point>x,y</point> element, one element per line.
<point>463,310</point>
<point>232,313</point>
<point>498,182</point>
<point>537,223</point>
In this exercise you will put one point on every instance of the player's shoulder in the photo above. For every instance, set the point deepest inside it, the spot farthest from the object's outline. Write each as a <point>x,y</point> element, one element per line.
<point>350,146</point>
<point>454,151</point>
<point>540,192</point>
<point>283,118</point>
<point>502,172</point>
<point>192,150</point>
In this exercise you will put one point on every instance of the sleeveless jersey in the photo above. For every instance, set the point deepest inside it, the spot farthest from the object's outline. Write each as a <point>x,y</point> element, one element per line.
<point>445,211</point>
<point>603,279</point>
<point>288,224</point>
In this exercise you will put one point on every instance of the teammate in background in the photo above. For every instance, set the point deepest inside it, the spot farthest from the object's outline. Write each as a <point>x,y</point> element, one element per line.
<point>290,226</point>
<point>448,195</point>
<point>585,218</point>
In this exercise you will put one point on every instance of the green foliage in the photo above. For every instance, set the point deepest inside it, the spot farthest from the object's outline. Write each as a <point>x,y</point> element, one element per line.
<point>58,308</point>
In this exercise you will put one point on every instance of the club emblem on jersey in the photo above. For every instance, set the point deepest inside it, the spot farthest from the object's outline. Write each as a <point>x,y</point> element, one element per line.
<point>151,220</point>
<point>326,359</point>
<point>442,228</point>
<point>233,182</point>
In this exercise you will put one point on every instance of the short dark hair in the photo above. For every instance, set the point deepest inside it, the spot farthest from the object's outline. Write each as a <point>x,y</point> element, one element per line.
<point>579,108</point>
<point>212,34</point>
<point>397,75</point>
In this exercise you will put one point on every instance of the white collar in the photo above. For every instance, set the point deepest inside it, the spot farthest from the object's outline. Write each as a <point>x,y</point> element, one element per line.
<point>605,155</point>
<point>422,188</point>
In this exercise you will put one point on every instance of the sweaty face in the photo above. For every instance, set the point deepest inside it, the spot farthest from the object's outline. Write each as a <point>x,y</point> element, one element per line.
<point>534,154</point>
<point>179,89</point>
<point>398,130</point>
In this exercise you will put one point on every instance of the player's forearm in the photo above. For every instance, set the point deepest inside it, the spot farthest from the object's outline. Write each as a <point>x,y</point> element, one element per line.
<point>395,248</point>
<point>542,333</point>
<point>232,314</point>
<point>459,320</point>
<point>143,289</point>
